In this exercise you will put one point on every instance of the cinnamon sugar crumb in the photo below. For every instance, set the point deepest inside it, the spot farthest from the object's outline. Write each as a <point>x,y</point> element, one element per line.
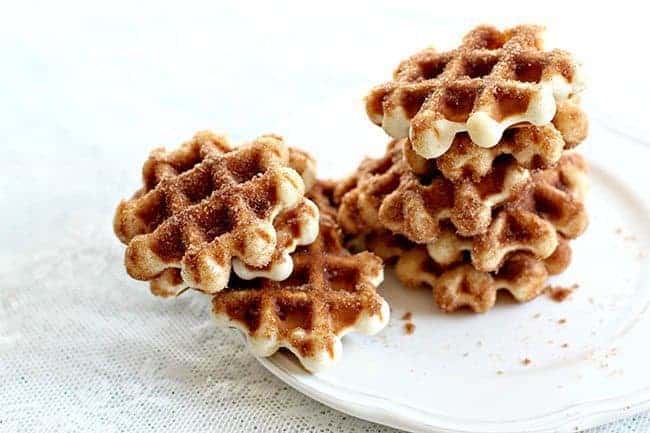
<point>409,327</point>
<point>627,237</point>
<point>526,361</point>
<point>561,321</point>
<point>560,293</point>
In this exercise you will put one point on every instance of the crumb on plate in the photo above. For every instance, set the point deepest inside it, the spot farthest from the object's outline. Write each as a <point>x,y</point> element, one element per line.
<point>560,293</point>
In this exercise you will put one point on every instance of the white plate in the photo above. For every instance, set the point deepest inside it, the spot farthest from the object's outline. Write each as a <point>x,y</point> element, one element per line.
<point>464,372</point>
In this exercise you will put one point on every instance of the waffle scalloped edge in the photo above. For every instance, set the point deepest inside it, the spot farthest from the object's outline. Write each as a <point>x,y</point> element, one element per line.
<point>461,285</point>
<point>329,294</point>
<point>385,193</point>
<point>533,147</point>
<point>204,204</point>
<point>551,203</point>
<point>494,80</point>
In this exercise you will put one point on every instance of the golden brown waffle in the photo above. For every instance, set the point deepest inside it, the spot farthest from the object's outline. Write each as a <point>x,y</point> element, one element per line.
<point>290,227</point>
<point>493,81</point>
<point>296,226</point>
<point>329,294</point>
<point>551,203</point>
<point>305,165</point>
<point>385,193</point>
<point>533,147</point>
<point>459,284</point>
<point>205,205</point>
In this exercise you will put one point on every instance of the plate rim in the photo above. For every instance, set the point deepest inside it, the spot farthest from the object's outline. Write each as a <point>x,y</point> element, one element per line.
<point>375,409</point>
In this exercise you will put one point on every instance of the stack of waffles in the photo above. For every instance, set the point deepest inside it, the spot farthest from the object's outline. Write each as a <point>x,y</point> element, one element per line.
<point>479,188</point>
<point>251,227</point>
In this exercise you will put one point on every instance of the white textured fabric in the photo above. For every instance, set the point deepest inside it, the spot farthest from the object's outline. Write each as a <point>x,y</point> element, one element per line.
<point>87,89</point>
<point>86,350</point>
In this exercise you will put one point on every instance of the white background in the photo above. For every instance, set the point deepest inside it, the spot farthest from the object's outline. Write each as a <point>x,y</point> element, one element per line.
<point>87,88</point>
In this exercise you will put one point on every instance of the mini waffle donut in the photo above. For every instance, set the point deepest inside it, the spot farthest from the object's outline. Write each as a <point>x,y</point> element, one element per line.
<point>533,147</point>
<point>458,284</point>
<point>384,193</point>
<point>206,204</point>
<point>494,80</point>
<point>551,203</point>
<point>296,226</point>
<point>329,294</point>
<point>461,285</point>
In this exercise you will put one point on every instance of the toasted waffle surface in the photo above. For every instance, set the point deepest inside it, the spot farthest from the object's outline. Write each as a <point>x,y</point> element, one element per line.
<point>533,147</point>
<point>329,294</point>
<point>494,80</point>
<point>304,164</point>
<point>204,205</point>
<point>458,284</point>
<point>461,285</point>
<point>296,226</point>
<point>551,203</point>
<point>386,193</point>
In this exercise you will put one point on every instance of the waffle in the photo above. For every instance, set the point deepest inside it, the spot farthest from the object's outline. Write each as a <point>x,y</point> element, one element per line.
<point>551,203</point>
<point>305,165</point>
<point>329,294</point>
<point>206,207</point>
<point>461,285</point>
<point>533,147</point>
<point>384,193</point>
<point>493,81</point>
<point>458,284</point>
<point>297,226</point>
<point>388,246</point>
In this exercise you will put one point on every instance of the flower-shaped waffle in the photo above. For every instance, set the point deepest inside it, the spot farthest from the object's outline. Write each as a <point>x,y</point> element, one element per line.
<point>458,284</point>
<point>551,203</point>
<point>533,147</point>
<point>386,193</point>
<point>461,285</point>
<point>493,81</point>
<point>296,226</point>
<point>206,207</point>
<point>329,294</point>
